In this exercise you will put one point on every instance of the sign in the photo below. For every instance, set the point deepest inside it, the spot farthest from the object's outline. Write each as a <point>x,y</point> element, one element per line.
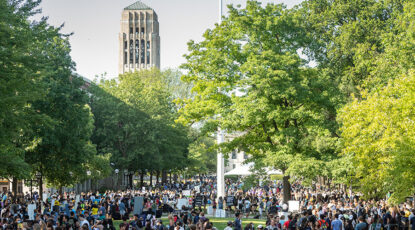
<point>220,213</point>
<point>77,199</point>
<point>210,210</point>
<point>198,200</point>
<point>45,197</point>
<point>181,203</point>
<point>31,211</point>
<point>186,192</point>
<point>293,206</point>
<point>229,200</point>
<point>138,205</point>
<point>197,189</point>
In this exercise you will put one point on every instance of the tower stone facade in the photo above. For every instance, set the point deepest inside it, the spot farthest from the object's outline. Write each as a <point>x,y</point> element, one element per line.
<point>139,39</point>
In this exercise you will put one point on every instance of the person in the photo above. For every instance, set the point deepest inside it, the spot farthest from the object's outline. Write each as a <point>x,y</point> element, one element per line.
<point>159,225</point>
<point>214,205</point>
<point>336,224</point>
<point>412,220</point>
<point>237,223</point>
<point>322,223</point>
<point>362,225</point>
<point>260,227</point>
<point>220,203</point>
<point>83,221</point>
<point>247,206</point>
<point>249,226</point>
<point>229,226</point>
<point>287,222</point>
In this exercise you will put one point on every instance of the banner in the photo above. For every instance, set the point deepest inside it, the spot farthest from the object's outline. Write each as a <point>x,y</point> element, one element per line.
<point>293,206</point>
<point>198,201</point>
<point>186,192</point>
<point>181,203</point>
<point>138,205</point>
<point>229,200</point>
<point>31,211</point>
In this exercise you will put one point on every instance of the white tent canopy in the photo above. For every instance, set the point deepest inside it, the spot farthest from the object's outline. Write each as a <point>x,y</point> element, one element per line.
<point>245,170</point>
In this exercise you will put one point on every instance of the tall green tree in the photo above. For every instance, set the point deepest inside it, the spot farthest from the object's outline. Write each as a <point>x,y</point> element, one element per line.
<point>376,127</point>
<point>135,123</point>
<point>19,81</point>
<point>250,79</point>
<point>378,133</point>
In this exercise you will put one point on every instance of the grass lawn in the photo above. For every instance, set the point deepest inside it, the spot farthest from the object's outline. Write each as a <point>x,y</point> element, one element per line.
<point>219,223</point>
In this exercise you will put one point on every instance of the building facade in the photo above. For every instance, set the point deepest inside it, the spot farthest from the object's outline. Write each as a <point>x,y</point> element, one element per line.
<point>139,39</point>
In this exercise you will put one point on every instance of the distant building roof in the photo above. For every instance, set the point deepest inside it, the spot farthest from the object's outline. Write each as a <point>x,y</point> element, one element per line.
<point>137,6</point>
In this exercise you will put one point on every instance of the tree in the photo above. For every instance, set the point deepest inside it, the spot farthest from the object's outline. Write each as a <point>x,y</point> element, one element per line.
<point>64,149</point>
<point>378,133</point>
<point>19,81</point>
<point>135,123</point>
<point>202,157</point>
<point>377,127</point>
<point>249,79</point>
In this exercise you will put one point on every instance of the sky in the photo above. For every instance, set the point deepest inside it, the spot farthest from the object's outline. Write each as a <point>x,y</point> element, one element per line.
<point>95,25</point>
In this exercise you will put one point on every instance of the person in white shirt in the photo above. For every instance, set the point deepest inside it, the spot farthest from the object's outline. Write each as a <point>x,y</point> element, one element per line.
<point>83,221</point>
<point>229,226</point>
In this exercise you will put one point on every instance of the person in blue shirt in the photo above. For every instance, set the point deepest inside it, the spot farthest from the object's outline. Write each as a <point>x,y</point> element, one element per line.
<point>362,225</point>
<point>238,222</point>
<point>336,224</point>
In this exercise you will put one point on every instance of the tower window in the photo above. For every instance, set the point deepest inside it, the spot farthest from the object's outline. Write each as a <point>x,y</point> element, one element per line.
<point>233,154</point>
<point>148,57</point>
<point>125,57</point>
<point>137,47</point>
<point>131,30</point>
<point>148,44</point>
<point>125,45</point>
<point>136,31</point>
<point>131,51</point>
<point>245,156</point>
<point>142,51</point>
<point>142,31</point>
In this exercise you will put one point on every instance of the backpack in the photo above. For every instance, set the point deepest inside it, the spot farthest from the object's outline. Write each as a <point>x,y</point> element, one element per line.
<point>323,224</point>
<point>292,225</point>
<point>304,223</point>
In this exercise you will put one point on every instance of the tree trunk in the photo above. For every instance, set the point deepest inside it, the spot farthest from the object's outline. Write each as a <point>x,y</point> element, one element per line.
<point>14,188</point>
<point>41,188</point>
<point>287,189</point>
<point>164,177</point>
<point>130,181</point>
<point>170,178</point>
<point>142,178</point>
<point>157,176</point>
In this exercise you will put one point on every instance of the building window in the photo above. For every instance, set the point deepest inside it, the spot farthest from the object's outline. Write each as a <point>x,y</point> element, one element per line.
<point>136,31</point>
<point>125,57</point>
<point>233,154</point>
<point>142,31</point>
<point>148,44</point>
<point>131,30</point>
<point>148,57</point>
<point>137,47</point>
<point>245,156</point>
<point>131,51</point>
<point>125,45</point>
<point>233,166</point>
<point>142,51</point>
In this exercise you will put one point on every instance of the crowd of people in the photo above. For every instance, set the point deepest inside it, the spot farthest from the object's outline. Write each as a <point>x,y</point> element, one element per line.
<point>317,209</point>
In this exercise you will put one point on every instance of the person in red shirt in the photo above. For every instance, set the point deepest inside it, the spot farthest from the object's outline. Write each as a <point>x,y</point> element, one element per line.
<point>287,223</point>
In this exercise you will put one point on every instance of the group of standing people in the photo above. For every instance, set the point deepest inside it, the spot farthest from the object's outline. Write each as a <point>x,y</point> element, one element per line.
<point>318,209</point>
